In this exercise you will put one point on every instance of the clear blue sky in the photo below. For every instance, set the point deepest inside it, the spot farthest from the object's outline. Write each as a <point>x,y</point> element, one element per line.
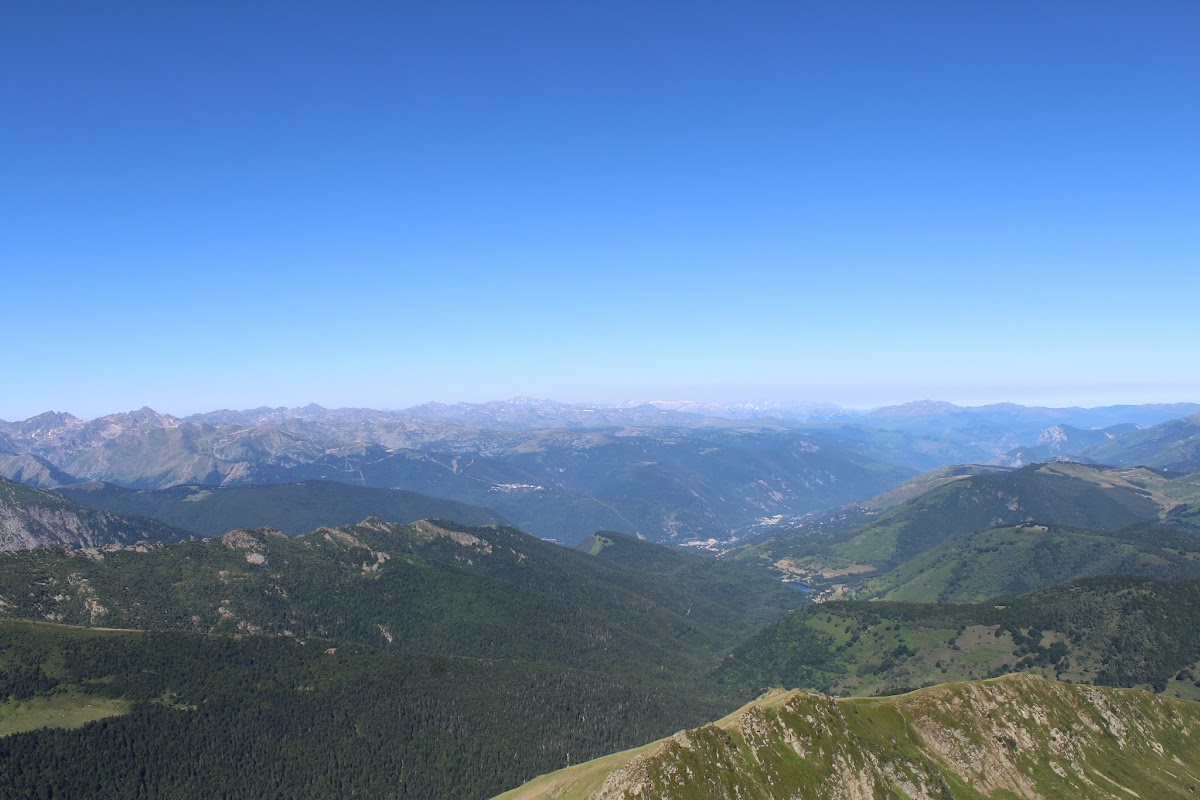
<point>229,204</point>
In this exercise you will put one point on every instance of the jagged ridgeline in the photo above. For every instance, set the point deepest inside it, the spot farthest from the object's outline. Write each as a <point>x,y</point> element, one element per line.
<point>566,471</point>
<point>669,483</point>
<point>1018,736</point>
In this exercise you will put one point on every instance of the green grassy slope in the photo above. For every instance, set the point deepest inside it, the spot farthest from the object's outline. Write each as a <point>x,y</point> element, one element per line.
<point>1046,493</point>
<point>1013,737</point>
<point>1002,562</point>
<point>1173,445</point>
<point>1110,631</point>
<point>928,481</point>
<point>292,508</point>
<point>1057,494</point>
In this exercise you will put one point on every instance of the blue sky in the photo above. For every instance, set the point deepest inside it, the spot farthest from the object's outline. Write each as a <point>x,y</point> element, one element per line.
<point>229,204</point>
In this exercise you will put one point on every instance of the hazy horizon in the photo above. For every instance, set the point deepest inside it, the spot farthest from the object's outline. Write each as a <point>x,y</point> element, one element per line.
<point>748,402</point>
<point>236,204</point>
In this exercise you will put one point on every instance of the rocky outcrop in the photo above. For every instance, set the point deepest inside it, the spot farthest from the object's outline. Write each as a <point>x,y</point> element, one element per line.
<point>32,518</point>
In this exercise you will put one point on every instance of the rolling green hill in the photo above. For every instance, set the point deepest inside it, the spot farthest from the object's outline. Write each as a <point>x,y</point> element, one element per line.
<point>31,518</point>
<point>1129,632</point>
<point>292,508</point>
<point>1056,494</point>
<point>1003,562</point>
<point>928,481</point>
<point>1014,737</point>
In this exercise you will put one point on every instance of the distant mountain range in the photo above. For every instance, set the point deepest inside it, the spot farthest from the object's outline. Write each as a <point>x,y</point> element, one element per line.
<point>1062,440</point>
<point>668,470</point>
<point>924,415</point>
<point>1173,445</point>
<point>666,483</point>
<point>411,427</point>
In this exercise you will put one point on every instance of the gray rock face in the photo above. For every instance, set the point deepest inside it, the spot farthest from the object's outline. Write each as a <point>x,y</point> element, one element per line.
<point>32,518</point>
<point>34,471</point>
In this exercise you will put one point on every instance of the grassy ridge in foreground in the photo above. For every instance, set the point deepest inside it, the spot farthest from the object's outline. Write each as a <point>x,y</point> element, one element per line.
<point>1016,736</point>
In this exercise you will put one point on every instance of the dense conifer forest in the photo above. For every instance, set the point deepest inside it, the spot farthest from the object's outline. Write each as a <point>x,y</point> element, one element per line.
<point>268,717</point>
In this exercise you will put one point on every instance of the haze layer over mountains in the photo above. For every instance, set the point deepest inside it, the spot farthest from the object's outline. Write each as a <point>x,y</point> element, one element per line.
<point>668,471</point>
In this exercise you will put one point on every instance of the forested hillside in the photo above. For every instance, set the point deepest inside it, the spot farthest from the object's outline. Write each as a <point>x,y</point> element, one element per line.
<point>1109,631</point>
<point>429,660</point>
<point>266,717</point>
<point>490,592</point>
<point>292,508</point>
